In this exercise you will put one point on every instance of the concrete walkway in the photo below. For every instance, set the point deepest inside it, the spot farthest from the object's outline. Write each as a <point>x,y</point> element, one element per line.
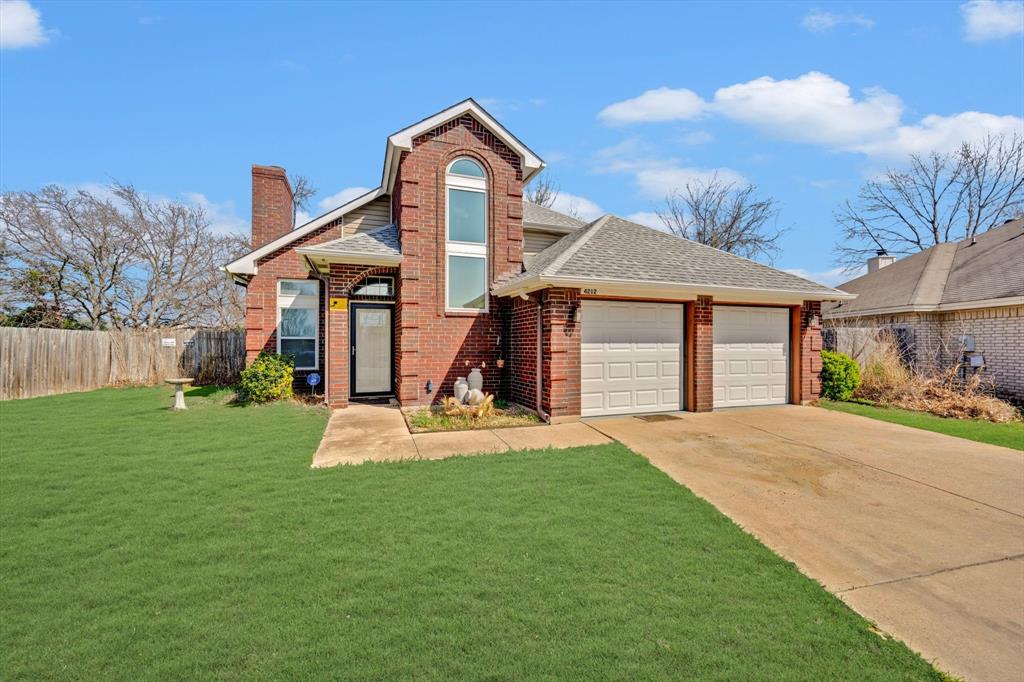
<point>921,533</point>
<point>377,433</point>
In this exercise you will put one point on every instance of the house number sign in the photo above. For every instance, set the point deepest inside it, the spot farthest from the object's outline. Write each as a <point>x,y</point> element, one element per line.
<point>591,292</point>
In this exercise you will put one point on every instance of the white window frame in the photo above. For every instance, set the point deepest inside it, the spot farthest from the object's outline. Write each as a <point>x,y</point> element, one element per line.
<point>306,302</point>
<point>465,183</point>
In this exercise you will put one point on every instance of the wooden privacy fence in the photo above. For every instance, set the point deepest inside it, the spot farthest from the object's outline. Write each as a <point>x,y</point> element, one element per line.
<point>35,362</point>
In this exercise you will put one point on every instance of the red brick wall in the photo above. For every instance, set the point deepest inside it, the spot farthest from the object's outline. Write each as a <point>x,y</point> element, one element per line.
<point>271,204</point>
<point>703,349</point>
<point>810,351</point>
<point>261,293</point>
<point>433,344</point>
<point>521,367</point>
<point>561,385</point>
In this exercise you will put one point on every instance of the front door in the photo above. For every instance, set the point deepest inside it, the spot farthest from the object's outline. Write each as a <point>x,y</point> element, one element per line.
<point>371,349</point>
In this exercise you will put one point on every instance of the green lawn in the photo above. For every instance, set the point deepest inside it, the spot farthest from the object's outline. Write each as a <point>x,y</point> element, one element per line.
<point>142,544</point>
<point>1010,435</point>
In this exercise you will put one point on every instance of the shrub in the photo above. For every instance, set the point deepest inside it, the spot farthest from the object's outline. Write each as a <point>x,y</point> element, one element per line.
<point>268,378</point>
<point>840,375</point>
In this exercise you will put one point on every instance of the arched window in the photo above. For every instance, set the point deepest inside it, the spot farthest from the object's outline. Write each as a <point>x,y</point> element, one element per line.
<point>466,236</point>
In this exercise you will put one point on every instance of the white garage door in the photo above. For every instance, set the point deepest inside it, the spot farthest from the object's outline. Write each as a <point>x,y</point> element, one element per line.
<point>751,356</point>
<point>631,357</point>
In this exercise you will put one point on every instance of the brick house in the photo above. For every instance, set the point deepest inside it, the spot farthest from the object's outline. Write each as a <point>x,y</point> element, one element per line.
<point>954,304</point>
<point>444,267</point>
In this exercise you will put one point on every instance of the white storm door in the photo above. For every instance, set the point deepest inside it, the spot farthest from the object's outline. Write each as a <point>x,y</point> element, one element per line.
<point>372,349</point>
<point>750,356</point>
<point>631,357</point>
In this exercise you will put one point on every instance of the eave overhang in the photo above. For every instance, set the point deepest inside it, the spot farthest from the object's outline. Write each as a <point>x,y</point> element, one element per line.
<point>669,290</point>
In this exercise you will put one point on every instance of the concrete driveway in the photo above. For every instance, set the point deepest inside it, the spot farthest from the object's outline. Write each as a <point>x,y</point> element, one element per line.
<point>921,533</point>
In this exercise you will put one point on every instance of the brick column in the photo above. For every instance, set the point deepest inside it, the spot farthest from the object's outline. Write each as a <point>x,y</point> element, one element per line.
<point>561,354</point>
<point>703,381</point>
<point>810,351</point>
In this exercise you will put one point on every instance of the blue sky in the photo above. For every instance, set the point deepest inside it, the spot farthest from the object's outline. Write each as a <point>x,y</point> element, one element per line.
<point>804,100</point>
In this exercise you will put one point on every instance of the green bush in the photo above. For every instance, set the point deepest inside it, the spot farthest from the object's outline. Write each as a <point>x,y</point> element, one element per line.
<point>840,375</point>
<point>268,378</point>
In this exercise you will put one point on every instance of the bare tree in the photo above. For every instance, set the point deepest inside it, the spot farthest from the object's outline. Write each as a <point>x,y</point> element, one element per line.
<point>724,215</point>
<point>302,192</point>
<point>69,247</point>
<point>116,258</point>
<point>939,198</point>
<point>543,192</point>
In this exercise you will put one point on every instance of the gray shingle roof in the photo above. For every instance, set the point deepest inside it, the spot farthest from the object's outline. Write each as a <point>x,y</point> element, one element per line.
<point>534,214</point>
<point>946,274</point>
<point>612,249</point>
<point>382,241</point>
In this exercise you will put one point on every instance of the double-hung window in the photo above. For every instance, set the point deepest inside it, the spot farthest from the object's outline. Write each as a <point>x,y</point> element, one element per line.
<point>466,237</point>
<point>298,321</point>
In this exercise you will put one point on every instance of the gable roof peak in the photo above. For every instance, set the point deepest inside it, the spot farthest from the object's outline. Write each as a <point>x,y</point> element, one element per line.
<point>402,140</point>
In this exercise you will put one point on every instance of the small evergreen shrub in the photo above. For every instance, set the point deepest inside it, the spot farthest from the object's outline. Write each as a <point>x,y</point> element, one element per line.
<point>268,378</point>
<point>840,375</point>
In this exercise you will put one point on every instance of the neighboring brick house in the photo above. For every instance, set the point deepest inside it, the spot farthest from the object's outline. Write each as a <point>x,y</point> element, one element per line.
<point>950,304</point>
<point>444,267</point>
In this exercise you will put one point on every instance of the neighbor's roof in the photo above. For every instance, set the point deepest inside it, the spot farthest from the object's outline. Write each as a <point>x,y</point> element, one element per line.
<point>379,246</point>
<point>611,251</point>
<point>535,215</point>
<point>951,276</point>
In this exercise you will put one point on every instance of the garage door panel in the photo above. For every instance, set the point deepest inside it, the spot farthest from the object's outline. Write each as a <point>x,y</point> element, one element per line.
<point>750,356</point>
<point>619,399</point>
<point>631,357</point>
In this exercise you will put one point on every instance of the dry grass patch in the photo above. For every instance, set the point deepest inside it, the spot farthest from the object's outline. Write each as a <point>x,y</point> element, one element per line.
<point>887,381</point>
<point>427,419</point>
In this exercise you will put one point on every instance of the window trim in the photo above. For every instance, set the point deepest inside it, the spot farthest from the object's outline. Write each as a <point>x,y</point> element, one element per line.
<point>461,248</point>
<point>304,302</point>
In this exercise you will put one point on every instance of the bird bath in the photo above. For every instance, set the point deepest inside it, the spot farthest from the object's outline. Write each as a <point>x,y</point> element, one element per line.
<point>179,394</point>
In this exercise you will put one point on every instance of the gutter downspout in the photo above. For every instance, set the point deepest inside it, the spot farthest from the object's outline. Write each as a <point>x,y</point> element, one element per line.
<point>540,361</point>
<point>325,279</point>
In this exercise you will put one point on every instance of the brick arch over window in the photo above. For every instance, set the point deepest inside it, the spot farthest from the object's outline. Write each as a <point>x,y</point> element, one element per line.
<point>383,270</point>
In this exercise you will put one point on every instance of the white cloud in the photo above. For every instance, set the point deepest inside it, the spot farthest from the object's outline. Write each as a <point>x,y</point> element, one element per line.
<point>343,197</point>
<point>581,207</point>
<point>830,277</point>
<point>986,20</point>
<point>21,25</point>
<point>301,217</point>
<point>221,214</point>
<point>814,108</point>
<point>697,137</point>
<point>648,218</point>
<point>663,104</point>
<point>819,21</point>
<point>941,134</point>
<point>659,182</point>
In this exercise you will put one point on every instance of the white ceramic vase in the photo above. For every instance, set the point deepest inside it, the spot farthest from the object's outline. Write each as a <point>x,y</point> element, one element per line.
<point>476,380</point>
<point>475,396</point>
<point>461,389</point>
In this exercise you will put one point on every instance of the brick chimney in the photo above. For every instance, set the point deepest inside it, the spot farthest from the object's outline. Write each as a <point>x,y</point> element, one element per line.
<point>271,204</point>
<point>875,263</point>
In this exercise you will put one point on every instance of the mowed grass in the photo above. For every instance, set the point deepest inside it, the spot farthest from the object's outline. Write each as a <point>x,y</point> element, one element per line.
<point>142,544</point>
<point>1009,435</point>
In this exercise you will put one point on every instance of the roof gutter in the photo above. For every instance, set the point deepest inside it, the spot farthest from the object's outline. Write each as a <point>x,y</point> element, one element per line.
<point>621,287</point>
<point>838,313</point>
